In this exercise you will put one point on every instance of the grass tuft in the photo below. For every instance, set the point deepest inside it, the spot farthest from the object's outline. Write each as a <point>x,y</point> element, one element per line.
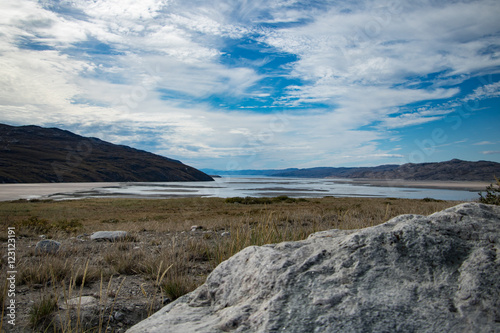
<point>176,287</point>
<point>41,312</point>
<point>123,261</point>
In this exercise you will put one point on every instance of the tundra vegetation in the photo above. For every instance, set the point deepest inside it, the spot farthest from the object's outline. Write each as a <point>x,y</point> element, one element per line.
<point>164,257</point>
<point>492,194</point>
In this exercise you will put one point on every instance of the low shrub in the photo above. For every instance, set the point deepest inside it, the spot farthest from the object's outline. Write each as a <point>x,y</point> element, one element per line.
<point>68,226</point>
<point>264,200</point>
<point>36,224</point>
<point>492,196</point>
<point>42,226</point>
<point>431,200</point>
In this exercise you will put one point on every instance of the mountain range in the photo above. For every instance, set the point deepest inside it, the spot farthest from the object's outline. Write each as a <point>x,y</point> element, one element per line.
<point>33,154</point>
<point>453,170</point>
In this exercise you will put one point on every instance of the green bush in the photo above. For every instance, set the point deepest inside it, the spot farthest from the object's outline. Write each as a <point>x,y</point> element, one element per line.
<point>68,226</point>
<point>40,225</point>
<point>36,224</point>
<point>431,200</point>
<point>492,196</point>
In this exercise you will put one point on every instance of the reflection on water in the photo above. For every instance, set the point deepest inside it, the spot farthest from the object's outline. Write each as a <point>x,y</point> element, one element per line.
<point>263,187</point>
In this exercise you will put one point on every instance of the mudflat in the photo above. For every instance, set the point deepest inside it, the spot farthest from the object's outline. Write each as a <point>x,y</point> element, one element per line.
<point>31,191</point>
<point>28,191</point>
<point>434,184</point>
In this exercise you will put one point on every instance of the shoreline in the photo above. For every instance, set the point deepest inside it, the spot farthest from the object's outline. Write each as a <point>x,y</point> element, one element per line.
<point>9,192</point>
<point>471,186</point>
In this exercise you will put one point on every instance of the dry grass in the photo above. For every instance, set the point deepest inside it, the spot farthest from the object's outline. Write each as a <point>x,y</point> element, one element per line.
<point>79,216</point>
<point>41,311</point>
<point>163,251</point>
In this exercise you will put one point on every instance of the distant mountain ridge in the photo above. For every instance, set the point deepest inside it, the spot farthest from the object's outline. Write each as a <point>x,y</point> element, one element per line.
<point>33,154</point>
<point>454,170</point>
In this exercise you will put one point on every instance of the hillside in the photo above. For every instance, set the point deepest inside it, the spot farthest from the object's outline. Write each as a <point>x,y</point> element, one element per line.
<point>455,170</point>
<point>32,154</point>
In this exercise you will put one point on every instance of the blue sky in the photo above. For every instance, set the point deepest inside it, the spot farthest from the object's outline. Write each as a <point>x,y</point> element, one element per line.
<point>240,84</point>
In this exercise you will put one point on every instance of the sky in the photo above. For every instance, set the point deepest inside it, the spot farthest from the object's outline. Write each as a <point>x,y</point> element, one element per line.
<point>254,84</point>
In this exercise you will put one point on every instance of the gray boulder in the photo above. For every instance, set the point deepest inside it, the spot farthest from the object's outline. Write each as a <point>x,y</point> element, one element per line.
<point>439,273</point>
<point>47,246</point>
<point>110,236</point>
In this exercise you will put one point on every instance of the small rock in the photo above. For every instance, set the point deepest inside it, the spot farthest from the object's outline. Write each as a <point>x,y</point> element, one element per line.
<point>119,316</point>
<point>82,302</point>
<point>196,227</point>
<point>42,236</point>
<point>225,233</point>
<point>110,236</point>
<point>47,246</point>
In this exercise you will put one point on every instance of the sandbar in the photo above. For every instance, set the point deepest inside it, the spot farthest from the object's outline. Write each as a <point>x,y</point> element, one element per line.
<point>34,191</point>
<point>433,184</point>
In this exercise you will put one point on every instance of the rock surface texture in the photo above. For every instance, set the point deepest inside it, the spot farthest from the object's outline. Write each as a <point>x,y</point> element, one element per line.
<point>437,273</point>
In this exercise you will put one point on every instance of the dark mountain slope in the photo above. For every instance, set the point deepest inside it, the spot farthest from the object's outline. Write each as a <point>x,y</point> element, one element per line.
<point>457,170</point>
<point>32,154</point>
<point>450,170</point>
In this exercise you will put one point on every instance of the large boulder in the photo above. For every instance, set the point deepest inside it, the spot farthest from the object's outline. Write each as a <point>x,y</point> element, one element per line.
<point>439,273</point>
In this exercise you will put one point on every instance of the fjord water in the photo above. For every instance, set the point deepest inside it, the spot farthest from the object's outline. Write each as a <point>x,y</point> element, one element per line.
<point>260,187</point>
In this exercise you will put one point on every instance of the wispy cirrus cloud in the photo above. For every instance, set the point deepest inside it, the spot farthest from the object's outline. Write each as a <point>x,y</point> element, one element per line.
<point>482,143</point>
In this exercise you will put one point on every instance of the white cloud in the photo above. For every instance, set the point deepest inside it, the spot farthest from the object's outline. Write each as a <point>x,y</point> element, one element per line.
<point>384,46</point>
<point>122,9</point>
<point>362,63</point>
<point>408,119</point>
<point>482,143</point>
<point>45,79</point>
<point>491,90</point>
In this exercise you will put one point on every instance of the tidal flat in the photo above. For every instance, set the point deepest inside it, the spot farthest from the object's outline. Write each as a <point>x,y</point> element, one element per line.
<point>228,187</point>
<point>164,257</point>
